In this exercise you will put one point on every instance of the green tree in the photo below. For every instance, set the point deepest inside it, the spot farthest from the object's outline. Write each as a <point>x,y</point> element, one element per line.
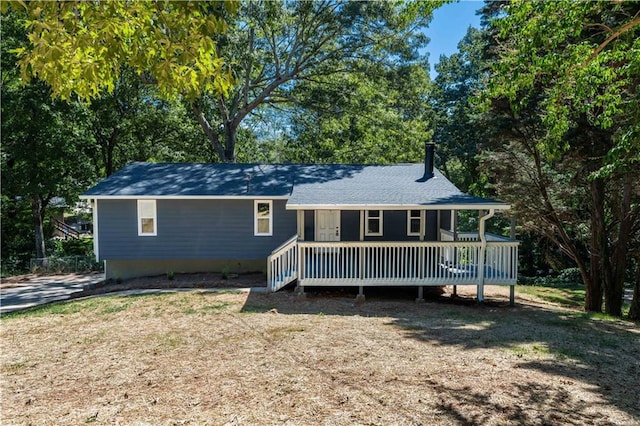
<point>276,46</point>
<point>44,149</point>
<point>376,114</point>
<point>132,124</point>
<point>81,47</point>
<point>565,87</point>
<point>45,153</point>
<point>461,77</point>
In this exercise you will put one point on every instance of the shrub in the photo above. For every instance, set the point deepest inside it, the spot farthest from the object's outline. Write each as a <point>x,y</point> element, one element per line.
<point>570,275</point>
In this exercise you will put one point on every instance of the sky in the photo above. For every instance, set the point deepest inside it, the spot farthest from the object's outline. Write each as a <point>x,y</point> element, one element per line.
<point>448,27</point>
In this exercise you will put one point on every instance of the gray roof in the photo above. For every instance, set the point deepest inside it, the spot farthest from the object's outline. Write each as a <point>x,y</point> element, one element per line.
<point>382,185</point>
<point>304,185</point>
<point>195,179</point>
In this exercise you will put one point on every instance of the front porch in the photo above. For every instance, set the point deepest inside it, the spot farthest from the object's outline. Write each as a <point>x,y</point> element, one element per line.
<point>457,259</point>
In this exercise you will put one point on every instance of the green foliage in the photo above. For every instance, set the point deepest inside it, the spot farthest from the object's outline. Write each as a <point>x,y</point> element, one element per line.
<point>283,52</point>
<point>456,131</point>
<point>72,247</point>
<point>132,124</point>
<point>46,145</point>
<point>53,148</point>
<point>563,102</point>
<point>17,234</point>
<point>376,114</point>
<point>584,57</point>
<point>80,47</point>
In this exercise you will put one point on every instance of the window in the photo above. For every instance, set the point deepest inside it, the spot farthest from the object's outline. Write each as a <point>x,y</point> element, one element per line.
<point>414,222</point>
<point>373,223</point>
<point>263,225</point>
<point>147,219</point>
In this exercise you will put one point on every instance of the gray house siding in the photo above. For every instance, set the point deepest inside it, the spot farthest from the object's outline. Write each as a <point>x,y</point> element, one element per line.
<point>445,219</point>
<point>309,225</point>
<point>349,225</point>
<point>190,229</point>
<point>431,229</point>
<point>394,226</point>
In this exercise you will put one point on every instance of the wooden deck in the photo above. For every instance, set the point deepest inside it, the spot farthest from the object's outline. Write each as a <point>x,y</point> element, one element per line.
<point>418,263</point>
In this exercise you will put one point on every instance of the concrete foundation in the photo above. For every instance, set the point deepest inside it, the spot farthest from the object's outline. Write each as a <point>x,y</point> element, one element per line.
<point>124,269</point>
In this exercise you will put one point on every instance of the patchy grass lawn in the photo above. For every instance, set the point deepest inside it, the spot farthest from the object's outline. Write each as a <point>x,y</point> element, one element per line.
<point>246,358</point>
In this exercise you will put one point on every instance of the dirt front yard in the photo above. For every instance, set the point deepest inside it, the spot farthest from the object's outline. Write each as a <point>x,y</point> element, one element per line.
<point>252,358</point>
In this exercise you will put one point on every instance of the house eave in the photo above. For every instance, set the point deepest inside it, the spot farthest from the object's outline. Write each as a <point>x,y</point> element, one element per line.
<point>183,197</point>
<point>470,206</point>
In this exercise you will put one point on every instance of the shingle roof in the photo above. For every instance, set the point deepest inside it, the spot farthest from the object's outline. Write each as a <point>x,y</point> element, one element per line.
<point>382,185</point>
<point>195,179</point>
<point>304,185</point>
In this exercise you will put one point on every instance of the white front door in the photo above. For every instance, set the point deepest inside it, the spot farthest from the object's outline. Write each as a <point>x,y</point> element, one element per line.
<point>327,225</point>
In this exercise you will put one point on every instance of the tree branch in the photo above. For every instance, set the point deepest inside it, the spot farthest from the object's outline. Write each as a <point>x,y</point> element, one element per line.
<point>623,29</point>
<point>209,131</point>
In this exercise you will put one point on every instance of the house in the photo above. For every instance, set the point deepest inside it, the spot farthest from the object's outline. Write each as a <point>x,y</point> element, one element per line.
<point>322,225</point>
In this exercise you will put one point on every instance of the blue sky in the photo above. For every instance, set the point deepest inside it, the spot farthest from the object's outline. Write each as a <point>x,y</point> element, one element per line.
<point>448,26</point>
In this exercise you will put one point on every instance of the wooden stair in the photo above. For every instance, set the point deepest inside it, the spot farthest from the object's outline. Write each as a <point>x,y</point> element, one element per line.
<point>66,230</point>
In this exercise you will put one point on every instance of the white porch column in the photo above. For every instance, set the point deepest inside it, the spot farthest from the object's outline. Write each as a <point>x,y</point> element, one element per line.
<point>512,288</point>
<point>300,227</point>
<point>454,224</point>
<point>483,250</point>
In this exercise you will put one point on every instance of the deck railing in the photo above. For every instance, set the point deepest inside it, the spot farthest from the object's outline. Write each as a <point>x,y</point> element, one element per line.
<point>406,263</point>
<point>282,265</point>
<point>415,263</point>
<point>446,235</point>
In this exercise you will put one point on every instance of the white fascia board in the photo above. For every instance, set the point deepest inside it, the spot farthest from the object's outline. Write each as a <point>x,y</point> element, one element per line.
<point>398,207</point>
<point>184,197</point>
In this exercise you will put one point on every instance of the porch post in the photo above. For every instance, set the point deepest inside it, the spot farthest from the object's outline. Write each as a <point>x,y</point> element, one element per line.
<point>299,290</point>
<point>300,227</point>
<point>512,288</point>
<point>454,224</point>
<point>483,250</point>
<point>361,249</point>
<point>360,297</point>
<point>454,232</point>
<point>423,225</point>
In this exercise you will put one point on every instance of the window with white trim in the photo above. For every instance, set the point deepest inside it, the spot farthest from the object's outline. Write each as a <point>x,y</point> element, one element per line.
<point>263,218</point>
<point>147,218</point>
<point>373,223</point>
<point>414,222</point>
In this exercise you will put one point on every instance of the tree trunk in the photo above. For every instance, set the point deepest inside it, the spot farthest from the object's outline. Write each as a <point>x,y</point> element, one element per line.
<point>634,311</point>
<point>594,285</point>
<point>617,262</point>
<point>37,213</point>
<point>229,143</point>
